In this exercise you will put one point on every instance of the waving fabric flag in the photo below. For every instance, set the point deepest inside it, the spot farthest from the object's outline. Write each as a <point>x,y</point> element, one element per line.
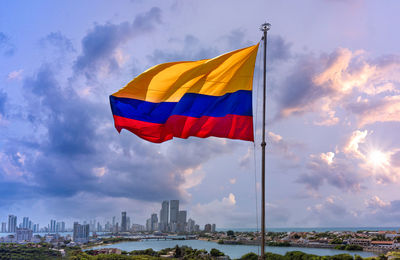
<point>190,98</point>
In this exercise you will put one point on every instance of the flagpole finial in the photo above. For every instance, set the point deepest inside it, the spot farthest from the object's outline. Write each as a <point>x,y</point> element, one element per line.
<point>265,27</point>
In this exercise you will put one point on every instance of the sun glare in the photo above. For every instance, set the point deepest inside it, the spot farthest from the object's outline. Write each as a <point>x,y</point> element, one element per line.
<point>378,158</point>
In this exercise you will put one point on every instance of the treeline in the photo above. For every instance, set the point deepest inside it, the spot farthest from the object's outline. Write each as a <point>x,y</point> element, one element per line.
<point>16,251</point>
<point>298,255</point>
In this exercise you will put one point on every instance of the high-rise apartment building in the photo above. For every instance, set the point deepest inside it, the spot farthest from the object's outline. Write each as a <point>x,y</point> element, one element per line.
<point>213,228</point>
<point>53,226</point>
<point>123,221</point>
<point>148,224</point>
<point>154,222</point>
<point>174,211</point>
<point>81,233</point>
<point>3,227</point>
<point>190,225</point>
<point>35,228</point>
<point>207,228</point>
<point>164,213</point>
<point>25,222</point>
<point>128,223</point>
<point>181,227</point>
<point>60,226</point>
<point>12,224</point>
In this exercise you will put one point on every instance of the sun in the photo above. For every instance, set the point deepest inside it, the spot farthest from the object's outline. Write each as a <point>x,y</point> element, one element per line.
<point>378,159</point>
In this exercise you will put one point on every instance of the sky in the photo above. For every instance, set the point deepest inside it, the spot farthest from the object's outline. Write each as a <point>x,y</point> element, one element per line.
<point>333,112</point>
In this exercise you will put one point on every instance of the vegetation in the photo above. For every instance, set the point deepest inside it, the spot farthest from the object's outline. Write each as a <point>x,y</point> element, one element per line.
<point>272,243</point>
<point>29,251</point>
<point>45,251</point>
<point>349,247</point>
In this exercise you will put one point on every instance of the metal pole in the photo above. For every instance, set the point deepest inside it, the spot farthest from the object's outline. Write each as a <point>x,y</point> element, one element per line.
<point>264,27</point>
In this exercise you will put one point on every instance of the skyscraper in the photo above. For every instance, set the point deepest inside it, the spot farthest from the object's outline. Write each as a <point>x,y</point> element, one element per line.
<point>164,212</point>
<point>81,233</point>
<point>174,211</point>
<point>154,222</point>
<point>181,221</point>
<point>128,223</point>
<point>53,226</point>
<point>12,224</point>
<point>3,227</point>
<point>190,225</point>
<point>123,221</point>
<point>25,222</point>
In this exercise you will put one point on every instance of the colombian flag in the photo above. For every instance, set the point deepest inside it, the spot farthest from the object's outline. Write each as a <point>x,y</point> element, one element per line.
<point>190,98</point>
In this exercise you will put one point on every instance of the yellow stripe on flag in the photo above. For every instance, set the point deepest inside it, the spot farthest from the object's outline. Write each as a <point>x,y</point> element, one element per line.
<point>168,82</point>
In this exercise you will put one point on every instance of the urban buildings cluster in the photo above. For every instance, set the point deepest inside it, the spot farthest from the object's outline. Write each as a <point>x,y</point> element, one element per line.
<point>172,219</point>
<point>12,226</point>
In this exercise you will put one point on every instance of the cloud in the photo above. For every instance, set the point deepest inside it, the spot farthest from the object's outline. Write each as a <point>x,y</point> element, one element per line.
<point>376,202</point>
<point>329,212</point>
<point>58,41</point>
<point>100,47</point>
<point>15,75</point>
<point>326,168</point>
<point>331,81</point>
<point>224,212</point>
<point>368,112</point>
<point>75,149</point>
<point>352,145</point>
<point>282,147</point>
<point>3,100</point>
<point>6,47</point>
<point>190,48</point>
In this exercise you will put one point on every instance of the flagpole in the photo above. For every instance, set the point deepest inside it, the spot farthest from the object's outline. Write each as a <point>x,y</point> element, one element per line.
<point>264,28</point>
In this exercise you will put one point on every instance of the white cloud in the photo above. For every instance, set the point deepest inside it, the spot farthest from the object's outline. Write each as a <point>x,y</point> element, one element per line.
<point>352,145</point>
<point>15,75</point>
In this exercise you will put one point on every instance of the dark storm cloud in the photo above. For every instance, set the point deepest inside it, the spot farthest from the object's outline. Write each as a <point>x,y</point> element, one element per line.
<point>100,44</point>
<point>74,153</point>
<point>6,47</point>
<point>59,41</point>
<point>298,93</point>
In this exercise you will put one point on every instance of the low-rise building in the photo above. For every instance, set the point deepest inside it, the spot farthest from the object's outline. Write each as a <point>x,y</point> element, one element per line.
<point>360,241</point>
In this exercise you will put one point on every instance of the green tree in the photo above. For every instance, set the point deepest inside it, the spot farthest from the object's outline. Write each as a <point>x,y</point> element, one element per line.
<point>249,256</point>
<point>230,233</point>
<point>216,252</point>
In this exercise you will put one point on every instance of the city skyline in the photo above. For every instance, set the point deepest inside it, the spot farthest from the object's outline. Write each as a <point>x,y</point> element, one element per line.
<point>179,222</point>
<point>333,103</point>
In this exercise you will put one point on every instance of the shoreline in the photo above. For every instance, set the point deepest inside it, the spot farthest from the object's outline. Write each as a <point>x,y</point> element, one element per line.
<point>294,246</point>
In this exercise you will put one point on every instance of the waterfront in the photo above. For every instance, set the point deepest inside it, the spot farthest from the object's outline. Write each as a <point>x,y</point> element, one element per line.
<point>234,251</point>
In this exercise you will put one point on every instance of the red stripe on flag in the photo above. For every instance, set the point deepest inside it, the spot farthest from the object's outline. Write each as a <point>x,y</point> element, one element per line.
<point>230,126</point>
